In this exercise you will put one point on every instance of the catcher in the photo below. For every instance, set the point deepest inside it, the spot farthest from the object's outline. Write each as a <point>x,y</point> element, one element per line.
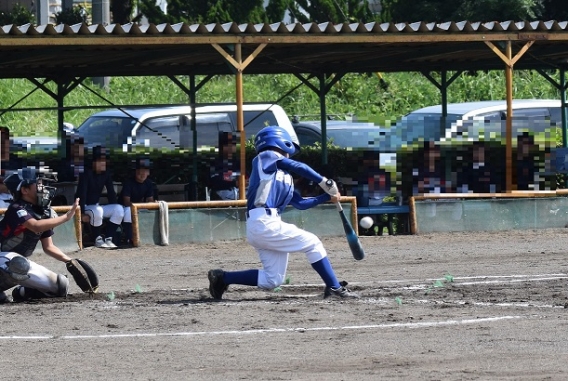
<point>27,220</point>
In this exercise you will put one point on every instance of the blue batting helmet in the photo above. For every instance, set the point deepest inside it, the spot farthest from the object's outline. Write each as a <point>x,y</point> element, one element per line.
<point>275,137</point>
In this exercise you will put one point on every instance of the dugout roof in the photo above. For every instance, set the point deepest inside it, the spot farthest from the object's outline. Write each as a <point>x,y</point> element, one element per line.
<point>60,51</point>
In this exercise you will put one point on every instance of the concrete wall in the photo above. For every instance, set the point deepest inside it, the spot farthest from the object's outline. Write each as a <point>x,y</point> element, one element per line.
<point>491,214</point>
<point>216,224</point>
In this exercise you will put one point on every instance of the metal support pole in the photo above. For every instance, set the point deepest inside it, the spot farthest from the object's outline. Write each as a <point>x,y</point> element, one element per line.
<point>101,15</point>
<point>61,93</point>
<point>240,120</point>
<point>509,123</point>
<point>43,12</point>
<point>563,106</point>
<point>323,118</point>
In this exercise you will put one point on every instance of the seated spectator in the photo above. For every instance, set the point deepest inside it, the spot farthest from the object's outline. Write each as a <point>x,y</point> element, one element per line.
<point>225,169</point>
<point>430,177</point>
<point>527,156</point>
<point>89,191</point>
<point>138,188</point>
<point>479,174</point>
<point>428,174</point>
<point>373,185</point>
<point>73,164</point>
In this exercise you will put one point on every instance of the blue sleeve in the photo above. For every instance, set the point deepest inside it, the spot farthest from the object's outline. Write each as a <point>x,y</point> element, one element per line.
<point>301,169</point>
<point>302,203</point>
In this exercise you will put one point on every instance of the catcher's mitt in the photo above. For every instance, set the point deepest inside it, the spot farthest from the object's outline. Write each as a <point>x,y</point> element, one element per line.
<point>84,275</point>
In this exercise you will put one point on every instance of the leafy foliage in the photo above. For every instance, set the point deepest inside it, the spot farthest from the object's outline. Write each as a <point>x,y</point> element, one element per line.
<point>360,95</point>
<point>199,11</point>
<point>72,16</point>
<point>471,10</point>
<point>121,11</point>
<point>19,15</point>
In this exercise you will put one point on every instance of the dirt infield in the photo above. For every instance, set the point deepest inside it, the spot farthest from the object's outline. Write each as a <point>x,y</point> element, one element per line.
<point>483,306</point>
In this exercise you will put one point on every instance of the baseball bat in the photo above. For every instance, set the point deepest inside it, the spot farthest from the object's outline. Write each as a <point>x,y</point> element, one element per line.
<point>352,239</point>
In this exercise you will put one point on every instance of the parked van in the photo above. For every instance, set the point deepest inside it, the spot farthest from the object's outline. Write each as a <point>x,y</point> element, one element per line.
<point>473,121</point>
<point>169,128</point>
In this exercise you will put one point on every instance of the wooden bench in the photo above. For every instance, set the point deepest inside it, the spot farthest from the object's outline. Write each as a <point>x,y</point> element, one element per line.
<point>172,192</point>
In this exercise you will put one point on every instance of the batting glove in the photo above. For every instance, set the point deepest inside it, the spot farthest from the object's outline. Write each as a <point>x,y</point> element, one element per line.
<point>329,186</point>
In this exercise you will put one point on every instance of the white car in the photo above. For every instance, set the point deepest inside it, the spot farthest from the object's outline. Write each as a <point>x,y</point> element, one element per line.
<point>474,121</point>
<point>169,128</point>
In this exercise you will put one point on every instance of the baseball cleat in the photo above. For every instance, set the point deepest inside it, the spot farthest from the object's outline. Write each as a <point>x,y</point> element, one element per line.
<point>216,284</point>
<point>23,294</point>
<point>3,298</point>
<point>341,292</point>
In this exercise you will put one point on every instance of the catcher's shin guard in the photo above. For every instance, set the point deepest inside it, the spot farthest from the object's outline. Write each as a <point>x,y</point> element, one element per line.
<point>62,285</point>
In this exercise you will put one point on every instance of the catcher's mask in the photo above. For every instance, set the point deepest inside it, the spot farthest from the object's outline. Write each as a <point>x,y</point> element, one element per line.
<point>27,176</point>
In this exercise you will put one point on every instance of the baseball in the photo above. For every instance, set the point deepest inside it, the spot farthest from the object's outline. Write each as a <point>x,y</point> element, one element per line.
<point>366,222</point>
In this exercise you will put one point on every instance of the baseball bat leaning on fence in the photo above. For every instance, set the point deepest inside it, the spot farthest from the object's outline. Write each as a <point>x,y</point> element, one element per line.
<point>352,239</point>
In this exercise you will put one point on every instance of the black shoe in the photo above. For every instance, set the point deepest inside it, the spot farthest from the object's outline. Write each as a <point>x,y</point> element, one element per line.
<point>23,294</point>
<point>216,284</point>
<point>4,298</point>
<point>341,293</point>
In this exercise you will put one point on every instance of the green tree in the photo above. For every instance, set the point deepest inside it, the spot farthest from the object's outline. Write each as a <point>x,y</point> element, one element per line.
<point>72,16</point>
<point>276,10</point>
<point>121,11</point>
<point>460,10</point>
<point>335,11</point>
<point>19,15</point>
<point>203,11</point>
<point>554,10</point>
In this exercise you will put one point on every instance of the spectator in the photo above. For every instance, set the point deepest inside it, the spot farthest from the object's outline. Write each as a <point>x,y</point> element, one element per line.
<point>138,188</point>
<point>74,162</point>
<point>479,174</point>
<point>429,177</point>
<point>373,185</point>
<point>9,164</point>
<point>226,169</point>
<point>527,153</point>
<point>89,191</point>
<point>429,174</point>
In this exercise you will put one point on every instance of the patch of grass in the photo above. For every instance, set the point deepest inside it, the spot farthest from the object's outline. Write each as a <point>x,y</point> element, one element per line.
<point>355,94</point>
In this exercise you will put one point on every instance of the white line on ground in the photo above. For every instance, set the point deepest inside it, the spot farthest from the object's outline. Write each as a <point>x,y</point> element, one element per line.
<point>268,330</point>
<point>495,279</point>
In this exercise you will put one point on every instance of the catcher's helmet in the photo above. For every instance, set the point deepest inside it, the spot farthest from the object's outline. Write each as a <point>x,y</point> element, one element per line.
<point>25,177</point>
<point>276,137</point>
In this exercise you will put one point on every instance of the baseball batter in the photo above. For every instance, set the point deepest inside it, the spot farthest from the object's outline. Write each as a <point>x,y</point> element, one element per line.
<point>270,190</point>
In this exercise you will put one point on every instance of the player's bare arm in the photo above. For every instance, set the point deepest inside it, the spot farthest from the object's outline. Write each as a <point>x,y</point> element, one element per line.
<point>53,251</point>
<point>38,226</point>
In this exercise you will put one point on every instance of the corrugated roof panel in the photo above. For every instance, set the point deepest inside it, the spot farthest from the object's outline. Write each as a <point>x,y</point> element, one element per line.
<point>282,28</point>
<point>140,29</point>
<point>230,27</point>
<point>557,26</point>
<point>513,27</point>
<point>15,31</point>
<point>444,26</point>
<point>194,29</point>
<point>152,29</point>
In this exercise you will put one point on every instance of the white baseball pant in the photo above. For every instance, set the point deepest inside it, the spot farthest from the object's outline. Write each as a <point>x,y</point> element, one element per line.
<point>274,239</point>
